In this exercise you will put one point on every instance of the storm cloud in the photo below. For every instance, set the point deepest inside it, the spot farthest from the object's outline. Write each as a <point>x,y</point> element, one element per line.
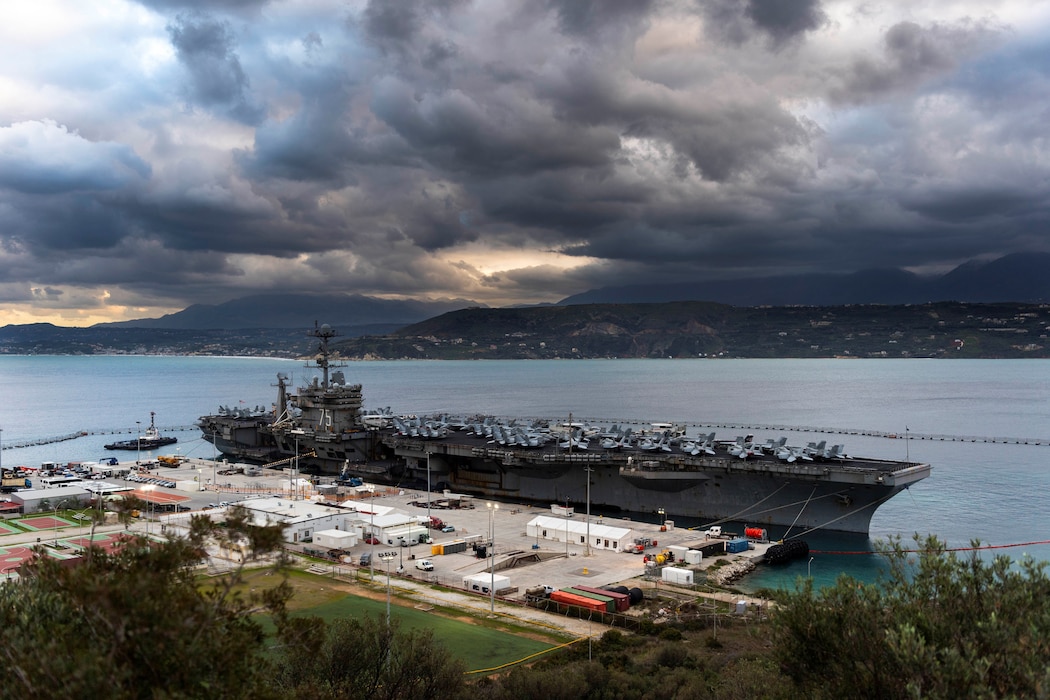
<point>170,152</point>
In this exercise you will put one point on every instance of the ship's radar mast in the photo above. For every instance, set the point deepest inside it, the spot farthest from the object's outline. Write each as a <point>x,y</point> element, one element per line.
<point>324,333</point>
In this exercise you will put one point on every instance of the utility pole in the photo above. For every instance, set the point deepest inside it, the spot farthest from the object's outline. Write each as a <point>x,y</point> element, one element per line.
<point>493,507</point>
<point>587,471</point>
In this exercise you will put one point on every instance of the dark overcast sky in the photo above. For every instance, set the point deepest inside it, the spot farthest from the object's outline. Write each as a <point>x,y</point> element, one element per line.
<point>160,153</point>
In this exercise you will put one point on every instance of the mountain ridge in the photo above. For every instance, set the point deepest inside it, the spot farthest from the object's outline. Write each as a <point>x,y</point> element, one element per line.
<point>690,329</point>
<point>1018,277</point>
<point>287,311</point>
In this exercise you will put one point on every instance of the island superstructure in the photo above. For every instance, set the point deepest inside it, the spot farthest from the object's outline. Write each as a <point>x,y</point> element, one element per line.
<point>643,468</point>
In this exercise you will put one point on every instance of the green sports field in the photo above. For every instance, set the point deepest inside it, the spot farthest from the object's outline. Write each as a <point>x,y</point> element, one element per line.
<point>477,645</point>
<point>480,643</point>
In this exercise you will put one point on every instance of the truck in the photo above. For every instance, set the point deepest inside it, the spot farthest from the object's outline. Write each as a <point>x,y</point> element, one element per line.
<point>14,483</point>
<point>536,593</point>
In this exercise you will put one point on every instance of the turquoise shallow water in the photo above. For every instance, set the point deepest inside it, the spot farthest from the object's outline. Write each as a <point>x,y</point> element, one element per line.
<point>998,493</point>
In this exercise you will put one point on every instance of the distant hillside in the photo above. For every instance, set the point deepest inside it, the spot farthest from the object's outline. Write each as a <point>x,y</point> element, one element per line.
<point>47,339</point>
<point>1020,278</point>
<point>703,329</point>
<point>675,329</point>
<point>345,311</point>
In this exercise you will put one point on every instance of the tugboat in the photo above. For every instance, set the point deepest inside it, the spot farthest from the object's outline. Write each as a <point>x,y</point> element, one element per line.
<point>152,439</point>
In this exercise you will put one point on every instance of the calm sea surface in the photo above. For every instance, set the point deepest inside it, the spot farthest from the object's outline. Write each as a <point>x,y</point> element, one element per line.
<point>998,493</point>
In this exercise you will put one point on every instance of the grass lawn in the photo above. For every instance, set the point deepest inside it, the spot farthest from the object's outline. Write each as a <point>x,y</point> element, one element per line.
<point>480,643</point>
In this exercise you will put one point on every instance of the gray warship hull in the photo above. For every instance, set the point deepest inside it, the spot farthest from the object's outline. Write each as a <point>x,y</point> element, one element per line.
<point>837,495</point>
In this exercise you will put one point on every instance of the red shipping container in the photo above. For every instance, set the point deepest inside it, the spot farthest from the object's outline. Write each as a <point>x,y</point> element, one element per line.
<point>566,598</point>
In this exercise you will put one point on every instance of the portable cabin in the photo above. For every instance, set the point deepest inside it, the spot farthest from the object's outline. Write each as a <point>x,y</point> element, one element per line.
<point>485,582</point>
<point>335,539</point>
<point>682,577</point>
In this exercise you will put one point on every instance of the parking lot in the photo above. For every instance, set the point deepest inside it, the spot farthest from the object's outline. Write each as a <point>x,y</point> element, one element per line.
<point>527,561</point>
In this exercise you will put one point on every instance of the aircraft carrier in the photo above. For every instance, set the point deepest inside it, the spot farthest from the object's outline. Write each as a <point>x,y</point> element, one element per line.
<point>643,468</point>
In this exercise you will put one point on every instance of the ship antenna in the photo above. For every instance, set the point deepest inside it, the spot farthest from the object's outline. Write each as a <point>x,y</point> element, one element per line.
<point>324,333</point>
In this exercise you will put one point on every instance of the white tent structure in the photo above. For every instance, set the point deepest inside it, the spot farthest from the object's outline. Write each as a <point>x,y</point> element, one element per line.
<point>607,537</point>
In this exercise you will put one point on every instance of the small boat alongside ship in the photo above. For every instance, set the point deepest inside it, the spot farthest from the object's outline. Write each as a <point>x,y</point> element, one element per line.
<point>645,468</point>
<point>150,440</point>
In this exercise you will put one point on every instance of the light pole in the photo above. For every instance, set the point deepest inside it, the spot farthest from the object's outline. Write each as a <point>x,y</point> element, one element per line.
<point>387,557</point>
<point>429,521</point>
<point>587,471</point>
<point>809,568</point>
<point>81,516</point>
<point>566,528</point>
<point>493,507</point>
<point>372,540</point>
<point>200,480</point>
<point>148,488</point>
<point>138,442</point>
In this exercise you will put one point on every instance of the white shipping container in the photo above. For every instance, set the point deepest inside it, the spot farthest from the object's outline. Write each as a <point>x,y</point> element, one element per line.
<point>335,539</point>
<point>480,583</point>
<point>694,556</point>
<point>682,577</point>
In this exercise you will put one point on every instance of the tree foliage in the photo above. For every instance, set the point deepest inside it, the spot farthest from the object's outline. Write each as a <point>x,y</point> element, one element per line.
<point>363,658</point>
<point>141,623</point>
<point>135,623</point>
<point>939,626</point>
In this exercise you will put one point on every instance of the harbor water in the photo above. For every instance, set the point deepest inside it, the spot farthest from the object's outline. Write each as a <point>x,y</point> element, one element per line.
<point>984,425</point>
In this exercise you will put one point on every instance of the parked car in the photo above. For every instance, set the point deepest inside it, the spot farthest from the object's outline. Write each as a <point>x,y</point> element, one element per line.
<point>425,565</point>
<point>448,528</point>
<point>372,540</point>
